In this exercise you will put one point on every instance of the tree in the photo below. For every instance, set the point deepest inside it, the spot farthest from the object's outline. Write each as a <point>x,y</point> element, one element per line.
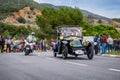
<point>52,18</point>
<point>6,34</point>
<point>99,21</point>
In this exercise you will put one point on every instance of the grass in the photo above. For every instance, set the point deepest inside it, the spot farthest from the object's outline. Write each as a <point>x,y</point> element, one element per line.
<point>114,53</point>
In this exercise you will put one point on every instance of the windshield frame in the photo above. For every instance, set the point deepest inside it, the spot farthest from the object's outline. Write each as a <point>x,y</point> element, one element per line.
<point>69,31</point>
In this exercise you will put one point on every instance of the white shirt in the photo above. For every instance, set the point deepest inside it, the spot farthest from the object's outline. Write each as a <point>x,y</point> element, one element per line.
<point>110,40</point>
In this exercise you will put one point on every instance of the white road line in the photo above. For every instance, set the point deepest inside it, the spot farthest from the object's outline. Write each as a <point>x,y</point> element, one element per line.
<point>80,64</point>
<point>111,69</point>
<point>50,59</point>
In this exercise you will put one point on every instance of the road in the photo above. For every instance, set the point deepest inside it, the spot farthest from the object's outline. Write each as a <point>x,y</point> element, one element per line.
<point>43,66</point>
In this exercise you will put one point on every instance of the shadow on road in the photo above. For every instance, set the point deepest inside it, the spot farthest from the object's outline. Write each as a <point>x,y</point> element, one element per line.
<point>30,55</point>
<point>73,58</point>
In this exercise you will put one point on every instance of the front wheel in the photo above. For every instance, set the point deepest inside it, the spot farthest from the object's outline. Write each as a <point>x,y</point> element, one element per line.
<point>90,53</point>
<point>76,56</point>
<point>64,52</point>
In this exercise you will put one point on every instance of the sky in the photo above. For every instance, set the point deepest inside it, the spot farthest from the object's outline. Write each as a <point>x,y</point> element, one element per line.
<point>106,8</point>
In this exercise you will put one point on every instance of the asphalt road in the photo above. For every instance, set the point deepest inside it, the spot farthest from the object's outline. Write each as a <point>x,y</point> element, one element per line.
<point>43,66</point>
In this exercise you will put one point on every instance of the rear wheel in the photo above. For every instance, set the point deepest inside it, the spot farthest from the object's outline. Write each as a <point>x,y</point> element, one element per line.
<point>27,52</point>
<point>55,54</point>
<point>64,52</point>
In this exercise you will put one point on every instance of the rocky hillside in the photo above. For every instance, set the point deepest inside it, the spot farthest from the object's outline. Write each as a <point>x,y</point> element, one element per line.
<point>7,7</point>
<point>26,14</point>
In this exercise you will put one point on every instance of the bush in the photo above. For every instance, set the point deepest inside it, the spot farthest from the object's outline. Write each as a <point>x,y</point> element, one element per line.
<point>21,20</point>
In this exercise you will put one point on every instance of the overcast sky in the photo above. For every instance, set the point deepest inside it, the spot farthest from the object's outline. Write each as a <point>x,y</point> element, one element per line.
<point>107,8</point>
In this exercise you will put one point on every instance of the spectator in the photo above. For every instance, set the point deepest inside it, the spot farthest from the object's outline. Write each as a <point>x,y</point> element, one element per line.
<point>117,44</point>
<point>96,44</point>
<point>44,44</point>
<point>22,43</point>
<point>0,44</point>
<point>38,45</point>
<point>104,42</point>
<point>41,44</point>
<point>110,43</point>
<point>8,42</point>
<point>52,44</point>
<point>3,43</point>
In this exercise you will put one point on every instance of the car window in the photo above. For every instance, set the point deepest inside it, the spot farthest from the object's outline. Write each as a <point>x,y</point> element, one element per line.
<point>71,32</point>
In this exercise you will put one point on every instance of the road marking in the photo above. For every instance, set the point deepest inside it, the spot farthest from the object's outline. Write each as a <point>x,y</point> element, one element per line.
<point>50,59</point>
<point>111,69</point>
<point>80,64</point>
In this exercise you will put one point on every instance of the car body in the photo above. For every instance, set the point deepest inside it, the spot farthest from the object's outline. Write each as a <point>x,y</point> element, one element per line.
<point>69,41</point>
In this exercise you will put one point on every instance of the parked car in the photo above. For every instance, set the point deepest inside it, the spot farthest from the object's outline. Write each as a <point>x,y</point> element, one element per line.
<point>69,41</point>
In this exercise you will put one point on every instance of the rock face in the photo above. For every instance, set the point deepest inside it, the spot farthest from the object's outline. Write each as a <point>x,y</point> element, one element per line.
<point>117,24</point>
<point>27,13</point>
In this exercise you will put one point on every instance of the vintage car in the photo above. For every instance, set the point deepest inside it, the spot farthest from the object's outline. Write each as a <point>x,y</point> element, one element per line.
<point>69,41</point>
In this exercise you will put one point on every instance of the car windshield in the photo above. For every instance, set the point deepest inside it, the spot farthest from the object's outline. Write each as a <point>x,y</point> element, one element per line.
<point>73,31</point>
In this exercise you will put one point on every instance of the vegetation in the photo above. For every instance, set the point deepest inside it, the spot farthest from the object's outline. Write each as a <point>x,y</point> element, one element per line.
<point>56,17</point>
<point>70,16</point>
<point>18,32</point>
<point>114,53</point>
<point>51,17</point>
<point>21,20</point>
<point>116,19</point>
<point>7,7</point>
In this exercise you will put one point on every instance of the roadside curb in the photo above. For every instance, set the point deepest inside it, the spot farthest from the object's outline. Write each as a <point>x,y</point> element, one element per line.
<point>109,55</point>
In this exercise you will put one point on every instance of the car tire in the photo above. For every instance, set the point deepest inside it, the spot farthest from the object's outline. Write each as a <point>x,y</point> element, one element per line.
<point>90,53</point>
<point>76,56</point>
<point>27,52</point>
<point>64,51</point>
<point>55,54</point>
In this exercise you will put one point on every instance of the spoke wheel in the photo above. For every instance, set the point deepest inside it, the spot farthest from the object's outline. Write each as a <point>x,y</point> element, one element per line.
<point>64,52</point>
<point>90,53</point>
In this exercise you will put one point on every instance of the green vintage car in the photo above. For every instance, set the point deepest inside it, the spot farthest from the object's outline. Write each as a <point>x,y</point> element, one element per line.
<point>69,41</point>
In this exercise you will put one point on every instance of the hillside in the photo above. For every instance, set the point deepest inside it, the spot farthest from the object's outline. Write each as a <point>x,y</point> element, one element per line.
<point>24,17</point>
<point>7,7</point>
<point>85,13</point>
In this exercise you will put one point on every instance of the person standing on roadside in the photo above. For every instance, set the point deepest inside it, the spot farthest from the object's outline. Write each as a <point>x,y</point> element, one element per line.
<point>104,43</point>
<point>3,43</point>
<point>8,42</point>
<point>96,44</point>
<point>110,43</point>
<point>0,43</point>
<point>44,44</point>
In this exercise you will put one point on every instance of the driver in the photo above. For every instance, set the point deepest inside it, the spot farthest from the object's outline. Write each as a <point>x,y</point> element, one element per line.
<point>31,38</point>
<point>75,33</point>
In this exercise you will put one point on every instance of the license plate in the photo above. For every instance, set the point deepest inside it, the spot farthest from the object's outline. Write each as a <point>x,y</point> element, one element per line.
<point>27,48</point>
<point>79,52</point>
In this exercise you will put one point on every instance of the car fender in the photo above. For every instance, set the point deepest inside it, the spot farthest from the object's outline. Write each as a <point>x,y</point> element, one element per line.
<point>64,42</point>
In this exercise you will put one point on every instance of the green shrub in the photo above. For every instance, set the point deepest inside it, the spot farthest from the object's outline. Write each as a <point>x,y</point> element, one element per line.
<point>21,20</point>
